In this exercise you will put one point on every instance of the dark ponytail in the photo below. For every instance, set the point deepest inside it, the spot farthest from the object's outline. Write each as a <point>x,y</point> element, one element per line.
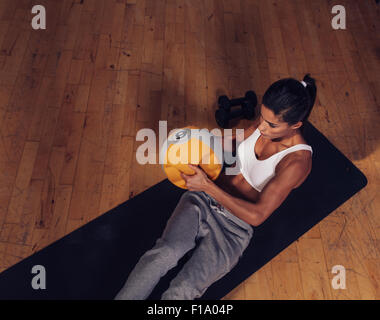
<point>290,99</point>
<point>312,90</point>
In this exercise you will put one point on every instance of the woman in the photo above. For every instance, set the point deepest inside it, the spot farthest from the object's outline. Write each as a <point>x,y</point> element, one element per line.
<point>217,217</point>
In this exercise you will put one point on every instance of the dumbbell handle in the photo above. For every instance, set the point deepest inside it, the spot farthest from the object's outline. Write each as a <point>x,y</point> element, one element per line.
<point>235,113</point>
<point>237,101</point>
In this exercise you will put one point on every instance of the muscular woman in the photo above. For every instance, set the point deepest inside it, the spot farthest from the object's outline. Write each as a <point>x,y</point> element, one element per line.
<point>217,217</point>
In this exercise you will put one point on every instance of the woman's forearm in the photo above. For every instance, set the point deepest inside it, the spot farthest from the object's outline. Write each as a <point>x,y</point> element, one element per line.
<point>245,210</point>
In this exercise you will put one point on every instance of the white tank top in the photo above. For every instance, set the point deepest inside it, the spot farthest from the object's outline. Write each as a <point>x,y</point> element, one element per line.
<point>258,172</point>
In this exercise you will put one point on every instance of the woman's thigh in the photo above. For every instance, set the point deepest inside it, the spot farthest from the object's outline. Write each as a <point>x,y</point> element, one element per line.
<point>185,223</point>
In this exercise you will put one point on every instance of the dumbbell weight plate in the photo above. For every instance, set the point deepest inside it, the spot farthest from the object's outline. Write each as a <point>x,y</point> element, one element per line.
<point>221,117</point>
<point>249,105</point>
<point>224,102</point>
<point>248,110</point>
<point>251,96</point>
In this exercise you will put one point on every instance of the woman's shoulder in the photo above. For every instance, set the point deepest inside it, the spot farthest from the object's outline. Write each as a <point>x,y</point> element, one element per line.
<point>299,158</point>
<point>303,156</point>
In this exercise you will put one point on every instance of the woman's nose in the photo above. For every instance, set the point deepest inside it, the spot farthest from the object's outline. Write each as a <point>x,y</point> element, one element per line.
<point>262,126</point>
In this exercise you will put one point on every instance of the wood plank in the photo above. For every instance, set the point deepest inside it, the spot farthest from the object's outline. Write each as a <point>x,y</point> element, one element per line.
<point>47,195</point>
<point>124,176</point>
<point>286,12</point>
<point>237,293</point>
<point>273,38</point>
<point>24,174</point>
<point>40,114</point>
<point>259,286</point>
<point>336,246</point>
<point>311,43</point>
<point>8,175</point>
<point>44,148</point>
<point>71,136</point>
<point>89,172</point>
<point>22,232</point>
<point>315,278</point>
<point>215,44</point>
<point>112,162</point>
<point>287,282</point>
<point>15,253</point>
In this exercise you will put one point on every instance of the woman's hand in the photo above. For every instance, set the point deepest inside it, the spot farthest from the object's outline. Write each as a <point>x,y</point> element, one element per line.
<point>198,181</point>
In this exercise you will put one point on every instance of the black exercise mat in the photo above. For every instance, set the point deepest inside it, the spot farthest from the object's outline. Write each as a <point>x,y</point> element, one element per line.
<point>93,261</point>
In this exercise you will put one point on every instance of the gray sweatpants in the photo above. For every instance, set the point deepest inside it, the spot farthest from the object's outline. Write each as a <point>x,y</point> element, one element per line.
<point>222,237</point>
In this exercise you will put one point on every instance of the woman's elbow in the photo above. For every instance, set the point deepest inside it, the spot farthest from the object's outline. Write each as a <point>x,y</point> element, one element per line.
<point>256,222</point>
<point>259,217</point>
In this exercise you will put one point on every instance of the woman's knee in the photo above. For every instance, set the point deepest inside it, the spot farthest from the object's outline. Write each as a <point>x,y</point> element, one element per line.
<point>162,253</point>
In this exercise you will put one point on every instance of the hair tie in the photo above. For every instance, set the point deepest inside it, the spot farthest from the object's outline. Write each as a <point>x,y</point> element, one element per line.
<point>304,83</point>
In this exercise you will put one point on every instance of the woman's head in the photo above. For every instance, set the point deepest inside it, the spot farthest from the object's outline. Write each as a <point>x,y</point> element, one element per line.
<point>286,105</point>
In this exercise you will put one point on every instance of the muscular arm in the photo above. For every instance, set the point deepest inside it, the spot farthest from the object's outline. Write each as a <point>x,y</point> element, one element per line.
<point>271,197</point>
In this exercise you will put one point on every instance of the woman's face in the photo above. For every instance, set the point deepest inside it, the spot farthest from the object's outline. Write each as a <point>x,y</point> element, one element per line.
<point>271,127</point>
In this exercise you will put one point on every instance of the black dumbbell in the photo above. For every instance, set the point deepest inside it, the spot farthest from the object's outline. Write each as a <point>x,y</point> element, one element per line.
<point>246,110</point>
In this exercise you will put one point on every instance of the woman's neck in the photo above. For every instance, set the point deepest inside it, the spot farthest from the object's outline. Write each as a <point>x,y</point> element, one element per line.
<point>288,139</point>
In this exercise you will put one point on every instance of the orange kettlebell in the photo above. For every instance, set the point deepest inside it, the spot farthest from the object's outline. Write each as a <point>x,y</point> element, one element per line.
<point>190,145</point>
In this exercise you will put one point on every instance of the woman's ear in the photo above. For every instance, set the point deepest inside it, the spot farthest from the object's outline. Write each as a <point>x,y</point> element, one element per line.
<point>297,125</point>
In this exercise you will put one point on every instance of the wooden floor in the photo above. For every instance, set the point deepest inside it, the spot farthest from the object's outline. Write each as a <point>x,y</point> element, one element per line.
<point>73,96</point>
